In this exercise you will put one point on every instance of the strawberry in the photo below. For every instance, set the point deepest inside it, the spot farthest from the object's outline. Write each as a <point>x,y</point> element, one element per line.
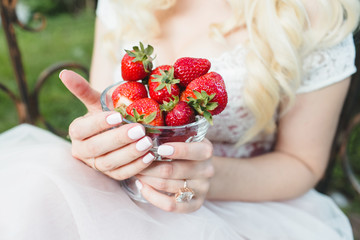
<point>127,93</point>
<point>162,84</point>
<point>178,113</point>
<point>137,63</point>
<point>207,95</point>
<point>130,92</point>
<point>145,110</point>
<point>187,69</point>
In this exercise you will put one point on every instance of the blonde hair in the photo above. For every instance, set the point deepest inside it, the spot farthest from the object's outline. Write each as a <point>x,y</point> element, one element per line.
<point>280,36</point>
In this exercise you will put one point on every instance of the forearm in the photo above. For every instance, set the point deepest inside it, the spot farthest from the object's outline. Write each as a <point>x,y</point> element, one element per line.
<point>270,177</point>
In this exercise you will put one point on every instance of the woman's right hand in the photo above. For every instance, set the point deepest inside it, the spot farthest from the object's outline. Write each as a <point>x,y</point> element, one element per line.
<point>120,152</point>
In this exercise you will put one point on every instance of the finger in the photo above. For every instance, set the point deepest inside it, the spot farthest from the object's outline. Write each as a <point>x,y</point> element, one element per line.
<point>180,169</point>
<point>188,151</point>
<point>111,140</point>
<point>125,155</point>
<point>81,88</point>
<point>166,202</point>
<point>132,168</point>
<point>199,186</point>
<point>92,124</point>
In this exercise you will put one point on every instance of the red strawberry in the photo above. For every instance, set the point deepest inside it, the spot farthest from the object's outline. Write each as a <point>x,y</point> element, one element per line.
<point>162,84</point>
<point>145,110</point>
<point>178,113</point>
<point>207,95</point>
<point>187,69</point>
<point>127,93</point>
<point>137,64</point>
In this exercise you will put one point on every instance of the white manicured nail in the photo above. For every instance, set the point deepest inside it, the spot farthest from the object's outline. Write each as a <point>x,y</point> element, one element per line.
<point>136,132</point>
<point>114,118</point>
<point>165,150</point>
<point>148,158</point>
<point>143,144</point>
<point>138,184</point>
<point>62,72</point>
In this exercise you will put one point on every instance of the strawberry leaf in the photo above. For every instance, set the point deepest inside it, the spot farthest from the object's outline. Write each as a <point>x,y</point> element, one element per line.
<point>168,106</point>
<point>166,79</point>
<point>197,94</point>
<point>204,94</point>
<point>142,46</point>
<point>149,50</point>
<point>143,55</point>
<point>208,117</point>
<point>152,131</point>
<point>201,103</point>
<point>168,87</point>
<point>130,118</point>
<point>136,114</point>
<point>211,106</point>
<point>121,110</point>
<point>212,96</point>
<point>161,86</point>
<point>150,118</point>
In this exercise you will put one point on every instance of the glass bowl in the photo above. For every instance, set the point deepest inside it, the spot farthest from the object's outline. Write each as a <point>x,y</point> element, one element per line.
<point>193,132</point>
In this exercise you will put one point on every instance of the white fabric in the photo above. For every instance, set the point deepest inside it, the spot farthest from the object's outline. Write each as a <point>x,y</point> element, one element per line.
<point>47,194</point>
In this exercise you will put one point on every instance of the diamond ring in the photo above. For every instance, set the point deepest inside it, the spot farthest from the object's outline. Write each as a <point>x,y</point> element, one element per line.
<point>185,194</point>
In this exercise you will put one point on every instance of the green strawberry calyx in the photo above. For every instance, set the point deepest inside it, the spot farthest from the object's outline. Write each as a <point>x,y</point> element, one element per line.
<point>143,55</point>
<point>202,104</point>
<point>165,79</point>
<point>168,106</point>
<point>141,118</point>
<point>122,110</point>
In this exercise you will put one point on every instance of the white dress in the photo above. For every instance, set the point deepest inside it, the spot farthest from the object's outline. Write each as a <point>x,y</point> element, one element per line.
<point>47,194</point>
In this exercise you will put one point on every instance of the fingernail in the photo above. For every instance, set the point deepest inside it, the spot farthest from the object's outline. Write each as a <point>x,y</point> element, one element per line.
<point>136,132</point>
<point>143,144</point>
<point>62,72</point>
<point>138,184</point>
<point>166,150</point>
<point>114,118</point>
<point>148,158</point>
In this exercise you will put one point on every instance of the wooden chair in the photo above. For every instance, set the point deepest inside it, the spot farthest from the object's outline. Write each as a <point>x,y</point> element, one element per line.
<point>26,101</point>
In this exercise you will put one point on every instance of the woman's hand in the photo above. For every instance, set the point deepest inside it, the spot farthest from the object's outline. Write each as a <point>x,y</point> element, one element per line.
<point>120,152</point>
<point>193,164</point>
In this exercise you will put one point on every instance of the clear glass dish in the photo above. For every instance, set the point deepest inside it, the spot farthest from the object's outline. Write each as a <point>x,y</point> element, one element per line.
<point>193,132</point>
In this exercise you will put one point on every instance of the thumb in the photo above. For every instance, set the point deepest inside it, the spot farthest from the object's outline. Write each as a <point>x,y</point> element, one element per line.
<point>81,89</point>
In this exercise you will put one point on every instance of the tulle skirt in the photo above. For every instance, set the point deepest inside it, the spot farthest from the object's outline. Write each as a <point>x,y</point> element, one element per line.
<point>47,194</point>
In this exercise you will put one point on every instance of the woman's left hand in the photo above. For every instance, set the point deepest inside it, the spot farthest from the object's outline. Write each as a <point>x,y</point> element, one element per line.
<point>191,162</point>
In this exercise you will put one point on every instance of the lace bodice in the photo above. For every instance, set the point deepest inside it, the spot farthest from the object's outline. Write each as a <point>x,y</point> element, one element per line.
<point>321,68</point>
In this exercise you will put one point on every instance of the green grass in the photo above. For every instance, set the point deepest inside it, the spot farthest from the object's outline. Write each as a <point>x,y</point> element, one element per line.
<point>65,38</point>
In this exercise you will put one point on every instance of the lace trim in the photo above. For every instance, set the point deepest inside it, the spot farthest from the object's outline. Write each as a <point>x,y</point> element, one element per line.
<point>328,66</point>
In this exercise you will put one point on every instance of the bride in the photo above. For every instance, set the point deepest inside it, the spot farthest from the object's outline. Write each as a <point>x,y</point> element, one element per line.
<point>286,65</point>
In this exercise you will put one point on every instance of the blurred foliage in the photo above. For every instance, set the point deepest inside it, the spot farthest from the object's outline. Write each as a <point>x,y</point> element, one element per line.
<point>50,7</point>
<point>340,182</point>
<point>65,38</point>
